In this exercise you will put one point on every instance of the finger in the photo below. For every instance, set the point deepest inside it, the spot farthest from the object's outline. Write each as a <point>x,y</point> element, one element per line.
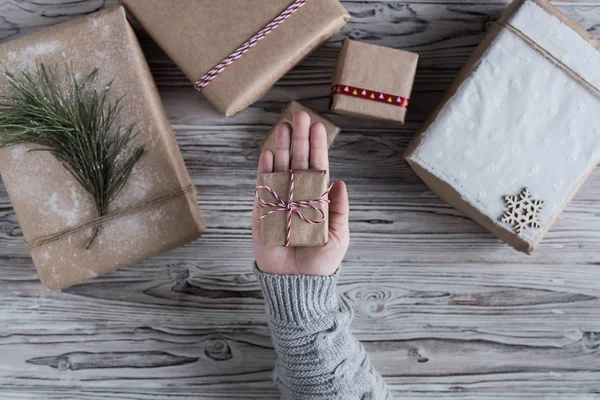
<point>265,165</point>
<point>339,210</point>
<point>282,150</point>
<point>265,162</point>
<point>319,157</point>
<point>300,141</point>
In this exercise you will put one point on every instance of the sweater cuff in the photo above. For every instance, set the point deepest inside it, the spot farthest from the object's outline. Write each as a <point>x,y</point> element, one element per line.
<point>299,299</point>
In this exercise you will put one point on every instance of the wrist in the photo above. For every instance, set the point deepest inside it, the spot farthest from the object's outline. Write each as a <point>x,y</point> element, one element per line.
<point>299,299</point>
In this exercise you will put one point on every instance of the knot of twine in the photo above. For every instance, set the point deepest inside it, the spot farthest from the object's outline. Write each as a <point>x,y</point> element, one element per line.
<point>291,206</point>
<point>96,222</point>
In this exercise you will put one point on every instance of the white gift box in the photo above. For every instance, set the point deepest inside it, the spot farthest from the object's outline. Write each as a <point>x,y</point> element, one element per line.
<point>523,113</point>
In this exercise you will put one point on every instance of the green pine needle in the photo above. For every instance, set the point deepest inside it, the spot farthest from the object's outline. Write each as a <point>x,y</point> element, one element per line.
<point>71,119</point>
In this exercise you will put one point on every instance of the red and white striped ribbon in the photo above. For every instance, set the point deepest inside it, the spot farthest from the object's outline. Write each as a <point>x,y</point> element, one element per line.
<point>291,207</point>
<point>236,55</point>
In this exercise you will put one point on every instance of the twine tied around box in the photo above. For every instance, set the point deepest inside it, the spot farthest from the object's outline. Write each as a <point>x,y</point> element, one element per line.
<point>236,55</point>
<point>291,207</point>
<point>99,221</point>
<point>594,91</point>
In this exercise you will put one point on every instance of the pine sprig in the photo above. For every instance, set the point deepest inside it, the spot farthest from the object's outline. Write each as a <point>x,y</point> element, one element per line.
<point>68,117</point>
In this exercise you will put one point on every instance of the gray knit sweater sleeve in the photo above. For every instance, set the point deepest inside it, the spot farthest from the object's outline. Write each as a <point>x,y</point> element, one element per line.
<point>318,357</point>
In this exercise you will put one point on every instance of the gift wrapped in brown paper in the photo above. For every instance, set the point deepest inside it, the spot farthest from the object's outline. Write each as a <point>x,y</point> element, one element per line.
<point>373,81</point>
<point>518,132</point>
<point>270,140</point>
<point>294,208</point>
<point>156,209</point>
<point>200,35</point>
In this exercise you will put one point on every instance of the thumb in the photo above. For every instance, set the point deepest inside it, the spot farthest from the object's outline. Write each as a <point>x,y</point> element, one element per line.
<point>339,210</point>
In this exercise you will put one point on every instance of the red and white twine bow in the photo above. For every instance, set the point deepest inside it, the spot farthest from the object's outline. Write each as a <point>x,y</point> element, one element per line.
<point>291,207</point>
<point>236,55</point>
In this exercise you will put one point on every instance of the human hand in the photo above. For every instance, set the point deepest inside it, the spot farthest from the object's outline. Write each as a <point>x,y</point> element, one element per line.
<point>308,147</point>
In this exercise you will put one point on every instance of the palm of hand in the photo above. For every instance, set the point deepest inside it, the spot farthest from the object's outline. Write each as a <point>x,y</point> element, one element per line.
<point>317,261</point>
<point>308,148</point>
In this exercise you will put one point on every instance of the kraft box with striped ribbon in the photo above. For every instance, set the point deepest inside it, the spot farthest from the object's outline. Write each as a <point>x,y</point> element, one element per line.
<point>234,51</point>
<point>293,206</point>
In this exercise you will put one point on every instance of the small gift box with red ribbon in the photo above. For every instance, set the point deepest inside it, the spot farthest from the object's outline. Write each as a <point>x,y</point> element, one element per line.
<point>373,81</point>
<point>294,208</point>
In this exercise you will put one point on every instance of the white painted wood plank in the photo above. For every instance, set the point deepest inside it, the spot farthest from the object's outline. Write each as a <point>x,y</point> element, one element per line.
<point>445,310</point>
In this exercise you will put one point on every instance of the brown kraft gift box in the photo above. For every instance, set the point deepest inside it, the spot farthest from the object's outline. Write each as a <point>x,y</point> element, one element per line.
<point>309,185</point>
<point>199,34</point>
<point>48,200</point>
<point>379,72</point>
<point>445,187</point>
<point>270,140</point>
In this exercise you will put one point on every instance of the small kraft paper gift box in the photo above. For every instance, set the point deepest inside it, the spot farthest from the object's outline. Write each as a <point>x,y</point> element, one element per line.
<point>294,208</point>
<point>150,212</point>
<point>373,81</point>
<point>270,140</point>
<point>518,133</point>
<point>235,51</point>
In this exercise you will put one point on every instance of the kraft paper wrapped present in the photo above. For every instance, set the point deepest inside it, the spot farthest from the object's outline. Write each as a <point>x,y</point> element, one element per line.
<point>518,132</point>
<point>48,200</point>
<point>270,140</point>
<point>373,81</point>
<point>310,187</point>
<point>199,34</point>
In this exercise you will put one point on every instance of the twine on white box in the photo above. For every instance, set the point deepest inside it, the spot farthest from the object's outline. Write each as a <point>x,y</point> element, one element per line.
<point>550,57</point>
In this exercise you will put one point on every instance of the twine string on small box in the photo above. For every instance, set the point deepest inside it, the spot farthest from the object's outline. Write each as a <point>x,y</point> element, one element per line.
<point>594,91</point>
<point>291,206</point>
<point>96,222</point>
<point>236,55</point>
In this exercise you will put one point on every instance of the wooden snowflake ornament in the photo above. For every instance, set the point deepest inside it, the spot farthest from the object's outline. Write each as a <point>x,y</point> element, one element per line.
<point>522,211</point>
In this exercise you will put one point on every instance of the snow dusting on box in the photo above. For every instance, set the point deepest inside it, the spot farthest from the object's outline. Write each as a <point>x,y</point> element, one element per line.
<point>69,209</point>
<point>27,56</point>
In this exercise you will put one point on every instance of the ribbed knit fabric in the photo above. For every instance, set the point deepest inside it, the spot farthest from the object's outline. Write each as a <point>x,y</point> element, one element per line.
<point>317,356</point>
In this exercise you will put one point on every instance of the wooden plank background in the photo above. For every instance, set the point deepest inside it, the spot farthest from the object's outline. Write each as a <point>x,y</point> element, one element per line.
<point>445,310</point>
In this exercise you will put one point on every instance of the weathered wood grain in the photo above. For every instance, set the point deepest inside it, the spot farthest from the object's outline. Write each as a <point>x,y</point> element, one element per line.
<point>444,309</point>
<point>232,360</point>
